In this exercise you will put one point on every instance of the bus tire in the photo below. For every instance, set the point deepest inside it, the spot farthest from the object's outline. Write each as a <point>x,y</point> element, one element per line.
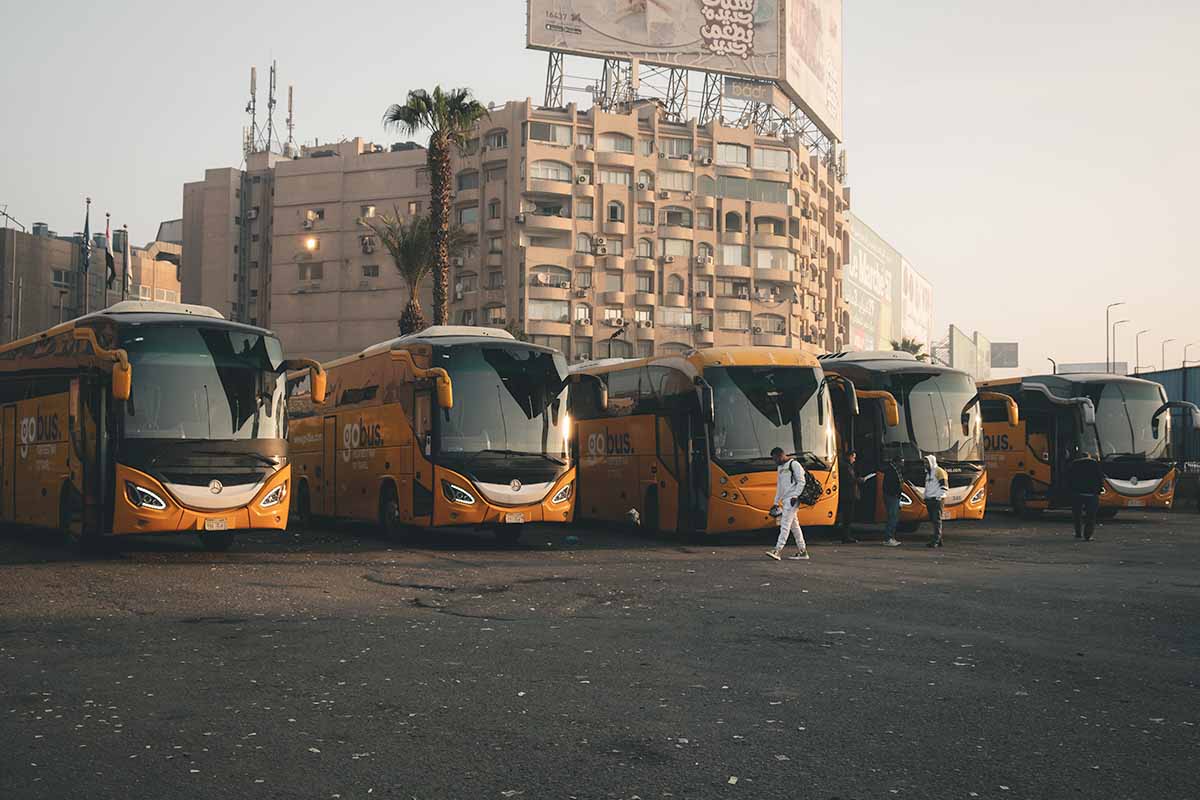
<point>300,517</point>
<point>1019,495</point>
<point>649,526</point>
<point>70,522</point>
<point>216,542</point>
<point>389,512</point>
<point>508,534</point>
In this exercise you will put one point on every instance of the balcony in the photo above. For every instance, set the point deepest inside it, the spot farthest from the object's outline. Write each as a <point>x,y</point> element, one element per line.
<point>705,201</point>
<point>612,228</point>
<point>674,232</point>
<point>467,197</point>
<point>495,225</point>
<point>705,265</point>
<point>771,240</point>
<point>547,327</point>
<point>706,336</point>
<point>646,196</point>
<point>558,256</point>
<point>612,159</point>
<point>703,302</point>
<point>584,155</point>
<point>618,299</point>
<point>585,260</point>
<point>542,186</point>
<point>733,237</point>
<point>645,299</point>
<point>614,263</point>
<point>675,300</point>
<point>489,297</point>
<point>550,222</point>
<point>580,329</point>
<point>584,190</point>
<point>775,275</point>
<point>732,271</point>
<point>548,293</point>
<point>733,303</point>
<point>771,339</point>
<point>644,332</point>
<point>494,259</point>
<point>644,265</point>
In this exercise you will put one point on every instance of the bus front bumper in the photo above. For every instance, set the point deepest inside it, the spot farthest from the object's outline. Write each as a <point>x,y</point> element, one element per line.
<point>173,517</point>
<point>1160,496</point>
<point>558,505</point>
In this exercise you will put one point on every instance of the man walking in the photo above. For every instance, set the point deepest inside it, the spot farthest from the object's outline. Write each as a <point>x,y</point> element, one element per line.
<point>892,481</point>
<point>848,496</point>
<point>789,483</point>
<point>1085,475</point>
<point>936,484</point>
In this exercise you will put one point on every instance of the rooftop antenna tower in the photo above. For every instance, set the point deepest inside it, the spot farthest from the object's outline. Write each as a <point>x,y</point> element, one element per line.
<point>290,149</point>
<point>271,136</point>
<point>250,134</point>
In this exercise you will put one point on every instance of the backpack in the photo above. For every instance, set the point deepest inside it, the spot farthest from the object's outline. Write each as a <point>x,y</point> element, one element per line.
<point>812,490</point>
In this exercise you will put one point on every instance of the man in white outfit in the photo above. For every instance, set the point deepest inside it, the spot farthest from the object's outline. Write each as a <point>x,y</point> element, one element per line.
<point>789,483</point>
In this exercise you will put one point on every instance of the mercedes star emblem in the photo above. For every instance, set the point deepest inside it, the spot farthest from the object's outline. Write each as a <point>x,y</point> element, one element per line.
<point>515,485</point>
<point>215,486</point>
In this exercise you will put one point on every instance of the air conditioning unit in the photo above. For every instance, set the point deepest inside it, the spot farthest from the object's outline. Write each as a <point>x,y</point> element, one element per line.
<point>499,321</point>
<point>646,323</point>
<point>457,261</point>
<point>706,161</point>
<point>368,244</point>
<point>307,224</point>
<point>687,195</point>
<point>664,195</point>
<point>458,294</point>
<point>564,284</point>
<point>668,259</point>
<point>708,260</point>
<point>662,154</point>
<point>584,179</point>
<point>252,214</point>
<point>701,293</point>
<point>641,186</point>
<point>520,219</point>
<point>744,296</point>
<point>581,292</point>
<point>599,240</point>
<point>758,329</point>
<point>583,322</point>
<point>601,251</point>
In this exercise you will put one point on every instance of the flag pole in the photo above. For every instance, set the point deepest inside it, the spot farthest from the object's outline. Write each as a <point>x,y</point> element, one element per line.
<point>86,253</point>
<point>127,271</point>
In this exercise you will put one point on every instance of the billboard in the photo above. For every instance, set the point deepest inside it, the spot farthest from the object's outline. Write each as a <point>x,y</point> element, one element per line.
<point>797,43</point>
<point>1119,368</point>
<point>1005,355</point>
<point>871,278</point>
<point>963,354</point>
<point>983,357</point>
<point>915,300</point>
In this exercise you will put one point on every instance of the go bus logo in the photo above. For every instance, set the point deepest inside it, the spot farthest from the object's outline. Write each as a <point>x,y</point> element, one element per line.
<point>609,444</point>
<point>36,429</point>
<point>998,441</point>
<point>359,434</point>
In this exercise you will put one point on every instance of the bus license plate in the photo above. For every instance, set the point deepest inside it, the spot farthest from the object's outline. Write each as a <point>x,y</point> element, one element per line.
<point>514,517</point>
<point>1136,503</point>
<point>216,524</point>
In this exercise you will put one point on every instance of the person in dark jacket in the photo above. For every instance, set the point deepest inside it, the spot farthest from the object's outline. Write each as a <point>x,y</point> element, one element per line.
<point>849,493</point>
<point>1085,476</point>
<point>892,479</point>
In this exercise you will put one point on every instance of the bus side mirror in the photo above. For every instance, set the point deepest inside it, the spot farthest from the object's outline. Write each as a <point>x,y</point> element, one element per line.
<point>122,380</point>
<point>445,392</point>
<point>821,401</point>
<point>317,379</point>
<point>708,407</point>
<point>1089,412</point>
<point>965,419</point>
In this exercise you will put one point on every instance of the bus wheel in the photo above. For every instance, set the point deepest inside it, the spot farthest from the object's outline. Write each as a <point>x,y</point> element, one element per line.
<point>649,526</point>
<point>389,512</point>
<point>70,522</point>
<point>508,534</point>
<point>216,542</point>
<point>300,517</point>
<point>1020,500</point>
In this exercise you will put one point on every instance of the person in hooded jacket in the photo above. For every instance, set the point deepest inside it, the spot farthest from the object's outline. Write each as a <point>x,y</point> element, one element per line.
<point>936,485</point>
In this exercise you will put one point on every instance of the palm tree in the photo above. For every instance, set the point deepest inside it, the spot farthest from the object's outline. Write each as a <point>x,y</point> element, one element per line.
<point>449,116</point>
<point>410,244</point>
<point>909,345</point>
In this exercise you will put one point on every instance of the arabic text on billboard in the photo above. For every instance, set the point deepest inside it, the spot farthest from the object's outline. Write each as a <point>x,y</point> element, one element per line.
<point>814,60</point>
<point>871,275</point>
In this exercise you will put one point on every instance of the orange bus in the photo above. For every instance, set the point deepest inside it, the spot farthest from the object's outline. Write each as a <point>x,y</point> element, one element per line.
<point>1123,421</point>
<point>145,418</point>
<point>684,441</point>
<point>908,409</point>
<point>451,426</point>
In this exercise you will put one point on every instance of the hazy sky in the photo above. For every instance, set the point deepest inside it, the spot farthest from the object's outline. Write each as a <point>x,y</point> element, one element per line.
<point>1035,160</point>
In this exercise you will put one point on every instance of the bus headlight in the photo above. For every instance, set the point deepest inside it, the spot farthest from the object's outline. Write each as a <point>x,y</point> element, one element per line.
<point>141,497</point>
<point>275,496</point>
<point>562,495</point>
<point>1167,487</point>
<point>978,496</point>
<point>456,494</point>
<point>905,500</point>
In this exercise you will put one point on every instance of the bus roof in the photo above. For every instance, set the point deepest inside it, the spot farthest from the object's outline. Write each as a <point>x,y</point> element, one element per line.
<point>708,357</point>
<point>1069,377</point>
<point>443,335</point>
<point>881,361</point>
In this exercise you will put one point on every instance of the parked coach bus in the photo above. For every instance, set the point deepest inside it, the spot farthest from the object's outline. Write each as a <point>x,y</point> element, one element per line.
<point>145,418</point>
<point>685,441</point>
<point>447,427</point>
<point>1123,421</point>
<point>909,409</point>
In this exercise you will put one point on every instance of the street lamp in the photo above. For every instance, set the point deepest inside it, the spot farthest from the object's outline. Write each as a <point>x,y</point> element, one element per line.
<point>1186,347</point>
<point>1164,352</point>
<point>1107,350</point>
<point>1053,365</point>
<point>1113,368</point>
<point>1137,350</point>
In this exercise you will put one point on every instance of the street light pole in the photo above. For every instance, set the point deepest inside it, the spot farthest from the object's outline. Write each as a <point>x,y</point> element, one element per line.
<point>1107,350</point>
<point>1185,358</point>
<point>12,276</point>
<point>1053,365</point>
<point>1115,325</point>
<point>1137,350</point>
<point>1164,352</point>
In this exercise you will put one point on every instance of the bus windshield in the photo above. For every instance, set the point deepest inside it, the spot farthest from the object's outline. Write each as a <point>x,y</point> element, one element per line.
<point>193,382</point>
<point>1123,415</point>
<point>760,408</point>
<point>931,407</point>
<point>508,401</point>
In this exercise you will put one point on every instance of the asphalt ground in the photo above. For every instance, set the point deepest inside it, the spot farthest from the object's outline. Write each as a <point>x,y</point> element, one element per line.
<point>1014,663</point>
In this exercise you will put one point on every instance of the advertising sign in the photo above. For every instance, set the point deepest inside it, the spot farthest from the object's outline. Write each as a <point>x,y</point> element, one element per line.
<point>916,306</point>
<point>983,357</point>
<point>962,352</point>
<point>1005,355</point>
<point>797,43</point>
<point>872,276</point>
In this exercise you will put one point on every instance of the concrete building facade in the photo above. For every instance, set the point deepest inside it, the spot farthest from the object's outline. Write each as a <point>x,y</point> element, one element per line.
<point>41,283</point>
<point>599,234</point>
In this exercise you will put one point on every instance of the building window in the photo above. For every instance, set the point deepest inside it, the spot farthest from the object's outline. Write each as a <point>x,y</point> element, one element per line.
<point>314,214</point>
<point>616,212</point>
<point>735,255</point>
<point>312,271</point>
<point>674,180</point>
<point>620,177</point>
<point>674,284</point>
<point>645,248</point>
<point>733,222</point>
<point>706,186</point>
<point>645,180</point>
<point>471,147</point>
<point>677,148</point>
<point>583,279</point>
<point>550,275</point>
<point>468,215</point>
<point>704,219</point>
<point>585,139</point>
<point>771,324</point>
<point>467,283</point>
<point>366,212</point>
<point>145,293</point>
<point>494,315</point>
<point>645,215</point>
<point>769,191</point>
<point>549,310</point>
<point>645,147</point>
<point>733,287</point>
<point>704,320</point>
<point>734,320</point>
<point>674,317</point>
<point>643,315</point>
<point>466,316</point>
<point>772,159</point>
<point>615,143</point>
<point>583,313</point>
<point>614,282</point>
<point>370,270</point>
<point>583,208</point>
<point>583,349</point>
<point>583,243</point>
<point>774,258</point>
<point>679,248</point>
<point>422,178</point>
<point>616,247</point>
<point>645,282</point>
<point>414,207</point>
<point>496,244</point>
<point>62,278</point>
<point>549,171</point>
<point>546,132</point>
<point>493,209</point>
<point>704,250</point>
<point>495,279</point>
<point>493,174</point>
<point>612,312</point>
<point>496,140</point>
<point>704,286</point>
<point>737,155</point>
<point>679,217</point>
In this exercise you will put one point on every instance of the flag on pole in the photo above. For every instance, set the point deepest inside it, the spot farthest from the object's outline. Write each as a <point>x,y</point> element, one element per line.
<point>110,266</point>
<point>86,260</point>
<point>127,274</point>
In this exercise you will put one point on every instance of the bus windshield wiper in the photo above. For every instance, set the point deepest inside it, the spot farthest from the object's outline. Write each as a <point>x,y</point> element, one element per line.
<point>546,456</point>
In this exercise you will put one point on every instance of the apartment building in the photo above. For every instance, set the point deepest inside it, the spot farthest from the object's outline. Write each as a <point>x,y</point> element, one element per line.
<point>599,234</point>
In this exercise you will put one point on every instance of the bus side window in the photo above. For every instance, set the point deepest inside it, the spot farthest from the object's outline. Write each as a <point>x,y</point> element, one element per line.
<point>667,447</point>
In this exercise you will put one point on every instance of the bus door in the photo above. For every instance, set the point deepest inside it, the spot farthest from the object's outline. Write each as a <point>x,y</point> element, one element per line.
<point>422,425</point>
<point>8,456</point>
<point>693,511</point>
<point>868,444</point>
<point>328,474</point>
